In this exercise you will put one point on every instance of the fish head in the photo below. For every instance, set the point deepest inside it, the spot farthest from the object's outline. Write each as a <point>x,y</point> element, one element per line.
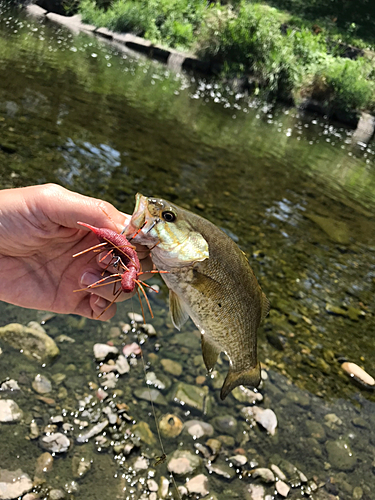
<point>168,230</point>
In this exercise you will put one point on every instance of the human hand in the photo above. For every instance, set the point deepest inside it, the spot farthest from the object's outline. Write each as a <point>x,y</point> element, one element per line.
<point>39,235</point>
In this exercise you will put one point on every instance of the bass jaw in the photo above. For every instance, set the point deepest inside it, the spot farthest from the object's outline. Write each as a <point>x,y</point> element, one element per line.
<point>141,222</point>
<point>250,377</point>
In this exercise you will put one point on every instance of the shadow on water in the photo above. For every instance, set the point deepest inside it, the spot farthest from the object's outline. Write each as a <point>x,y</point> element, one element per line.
<point>292,190</point>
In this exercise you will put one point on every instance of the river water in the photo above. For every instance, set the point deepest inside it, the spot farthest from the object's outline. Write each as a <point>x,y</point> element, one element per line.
<point>295,191</point>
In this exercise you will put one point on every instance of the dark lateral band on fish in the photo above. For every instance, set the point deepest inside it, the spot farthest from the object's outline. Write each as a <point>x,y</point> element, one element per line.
<point>210,280</point>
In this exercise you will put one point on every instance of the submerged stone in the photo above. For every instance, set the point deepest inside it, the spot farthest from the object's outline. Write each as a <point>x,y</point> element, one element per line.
<point>184,462</point>
<point>340,455</point>
<point>190,395</point>
<point>34,344</point>
<point>151,395</point>
<point>265,417</point>
<point>41,384</point>
<point>9,411</point>
<point>172,367</point>
<point>225,423</point>
<point>245,395</point>
<point>14,484</point>
<point>170,425</point>
<point>336,230</point>
<point>55,443</point>
<point>101,351</point>
<point>198,429</point>
<point>198,485</point>
<point>221,469</point>
<point>143,432</point>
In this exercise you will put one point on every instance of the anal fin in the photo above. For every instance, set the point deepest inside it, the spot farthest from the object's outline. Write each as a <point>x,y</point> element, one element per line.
<point>233,379</point>
<point>210,351</point>
<point>178,312</point>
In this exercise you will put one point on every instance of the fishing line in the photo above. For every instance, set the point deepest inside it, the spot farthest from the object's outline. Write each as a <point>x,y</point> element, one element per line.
<point>163,457</point>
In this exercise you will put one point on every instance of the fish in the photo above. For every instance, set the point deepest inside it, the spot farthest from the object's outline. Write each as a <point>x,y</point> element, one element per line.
<point>210,280</point>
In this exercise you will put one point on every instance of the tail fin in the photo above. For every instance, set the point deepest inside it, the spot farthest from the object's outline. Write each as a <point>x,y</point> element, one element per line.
<point>249,377</point>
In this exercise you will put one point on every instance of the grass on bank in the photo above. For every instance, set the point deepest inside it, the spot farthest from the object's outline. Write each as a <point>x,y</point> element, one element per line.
<point>282,55</point>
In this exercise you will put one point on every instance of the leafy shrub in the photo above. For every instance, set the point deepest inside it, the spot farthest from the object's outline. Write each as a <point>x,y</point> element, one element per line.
<point>347,83</point>
<point>251,42</point>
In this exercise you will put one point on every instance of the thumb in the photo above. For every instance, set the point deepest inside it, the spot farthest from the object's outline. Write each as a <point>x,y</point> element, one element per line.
<point>66,208</point>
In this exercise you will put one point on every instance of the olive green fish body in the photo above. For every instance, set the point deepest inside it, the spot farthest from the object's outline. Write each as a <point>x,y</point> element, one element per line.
<point>210,280</point>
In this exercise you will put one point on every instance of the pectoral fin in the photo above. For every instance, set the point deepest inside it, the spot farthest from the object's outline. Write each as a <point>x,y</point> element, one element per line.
<point>178,312</point>
<point>249,377</point>
<point>210,352</point>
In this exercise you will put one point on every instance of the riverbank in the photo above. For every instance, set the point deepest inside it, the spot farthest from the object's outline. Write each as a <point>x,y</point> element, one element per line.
<point>271,51</point>
<point>292,66</point>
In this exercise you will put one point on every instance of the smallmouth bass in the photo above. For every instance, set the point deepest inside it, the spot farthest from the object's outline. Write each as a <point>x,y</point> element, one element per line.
<point>209,279</point>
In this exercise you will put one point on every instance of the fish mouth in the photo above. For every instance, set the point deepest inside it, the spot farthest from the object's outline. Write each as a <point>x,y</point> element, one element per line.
<point>141,222</point>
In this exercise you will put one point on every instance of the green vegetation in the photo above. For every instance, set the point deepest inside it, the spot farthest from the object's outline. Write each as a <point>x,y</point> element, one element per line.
<point>275,51</point>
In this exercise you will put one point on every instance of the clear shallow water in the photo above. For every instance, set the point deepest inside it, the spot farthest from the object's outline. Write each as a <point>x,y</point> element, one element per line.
<point>109,125</point>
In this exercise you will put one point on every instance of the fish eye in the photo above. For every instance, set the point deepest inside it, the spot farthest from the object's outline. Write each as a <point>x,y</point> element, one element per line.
<point>168,216</point>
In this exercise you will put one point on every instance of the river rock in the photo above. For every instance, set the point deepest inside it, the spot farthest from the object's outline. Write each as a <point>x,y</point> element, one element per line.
<point>316,430</point>
<point>33,343</point>
<point>245,395</point>
<point>137,318</point>
<point>41,384</point>
<point>122,365</point>
<point>221,469</point>
<point>172,367</point>
<point>56,494</point>
<point>131,349</point>
<point>225,423</point>
<point>94,431</point>
<point>255,492</point>
<point>81,464</point>
<point>358,373</point>
<point>282,488</point>
<point>141,463</point>
<point>10,385</point>
<point>340,455</point>
<point>151,395</point>
<point>336,230</point>
<point>109,380</point>
<point>266,475</point>
<point>278,473</point>
<point>163,487</point>
<point>190,395</point>
<point>238,460</point>
<point>149,329</point>
<point>332,421</point>
<point>198,429</point>
<point>14,484</point>
<point>64,338</point>
<point>266,418</point>
<point>170,425</point>
<point>214,445</point>
<point>44,464</point>
<point>9,411</point>
<point>161,382</point>
<point>55,443</point>
<point>143,432</point>
<point>184,462</point>
<point>198,485</point>
<point>102,351</point>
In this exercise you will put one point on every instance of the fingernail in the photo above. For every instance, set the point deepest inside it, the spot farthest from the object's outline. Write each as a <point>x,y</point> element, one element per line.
<point>100,303</point>
<point>89,278</point>
<point>105,258</point>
